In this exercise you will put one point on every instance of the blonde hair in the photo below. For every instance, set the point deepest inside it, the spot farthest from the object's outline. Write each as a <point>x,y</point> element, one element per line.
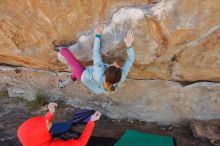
<point>109,87</point>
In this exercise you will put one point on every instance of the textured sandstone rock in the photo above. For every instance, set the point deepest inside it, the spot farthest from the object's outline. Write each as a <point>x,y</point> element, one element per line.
<point>175,39</point>
<point>206,129</point>
<point>147,100</point>
<point>28,29</point>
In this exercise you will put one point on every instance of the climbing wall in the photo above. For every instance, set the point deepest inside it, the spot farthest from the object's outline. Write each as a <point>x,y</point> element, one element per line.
<point>176,73</point>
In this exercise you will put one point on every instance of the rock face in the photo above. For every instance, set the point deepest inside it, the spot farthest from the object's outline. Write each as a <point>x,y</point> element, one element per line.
<point>175,41</point>
<point>147,100</point>
<point>28,29</point>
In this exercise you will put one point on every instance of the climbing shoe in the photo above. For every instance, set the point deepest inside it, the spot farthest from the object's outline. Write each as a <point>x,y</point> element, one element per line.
<point>57,48</point>
<point>64,83</point>
<point>61,85</point>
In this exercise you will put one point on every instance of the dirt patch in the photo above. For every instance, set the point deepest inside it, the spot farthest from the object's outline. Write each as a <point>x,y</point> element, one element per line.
<point>13,112</point>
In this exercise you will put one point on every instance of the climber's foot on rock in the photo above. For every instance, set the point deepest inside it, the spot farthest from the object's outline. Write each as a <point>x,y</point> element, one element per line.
<point>57,47</point>
<point>61,85</point>
<point>64,83</point>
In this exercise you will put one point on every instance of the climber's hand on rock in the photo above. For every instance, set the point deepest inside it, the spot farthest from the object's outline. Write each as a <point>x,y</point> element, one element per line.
<point>129,38</point>
<point>96,116</point>
<point>52,107</point>
<point>99,29</point>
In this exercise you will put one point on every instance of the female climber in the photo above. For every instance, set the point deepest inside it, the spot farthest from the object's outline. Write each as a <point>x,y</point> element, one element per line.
<point>100,77</point>
<point>35,131</point>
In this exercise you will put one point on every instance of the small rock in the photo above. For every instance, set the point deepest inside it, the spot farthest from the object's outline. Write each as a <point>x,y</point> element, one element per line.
<point>215,142</point>
<point>206,129</point>
<point>166,127</point>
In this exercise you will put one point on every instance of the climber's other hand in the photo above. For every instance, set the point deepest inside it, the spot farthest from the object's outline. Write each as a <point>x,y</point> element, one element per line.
<point>129,38</point>
<point>99,29</point>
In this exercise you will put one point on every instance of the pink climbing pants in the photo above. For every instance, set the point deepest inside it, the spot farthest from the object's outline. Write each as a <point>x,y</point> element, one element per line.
<point>76,67</point>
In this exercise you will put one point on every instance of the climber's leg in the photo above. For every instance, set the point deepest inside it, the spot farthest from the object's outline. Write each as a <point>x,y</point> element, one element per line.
<point>76,67</point>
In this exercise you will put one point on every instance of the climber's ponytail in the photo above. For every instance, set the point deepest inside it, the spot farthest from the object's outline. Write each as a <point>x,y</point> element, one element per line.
<point>109,87</point>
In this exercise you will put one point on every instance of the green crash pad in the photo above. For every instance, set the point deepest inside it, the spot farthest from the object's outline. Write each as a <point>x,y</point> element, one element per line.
<point>134,138</point>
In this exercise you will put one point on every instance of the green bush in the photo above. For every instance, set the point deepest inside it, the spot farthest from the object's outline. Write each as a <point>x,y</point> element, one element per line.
<point>39,101</point>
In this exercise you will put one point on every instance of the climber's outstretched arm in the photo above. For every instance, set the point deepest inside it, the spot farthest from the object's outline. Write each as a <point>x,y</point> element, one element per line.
<point>97,44</point>
<point>128,39</point>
